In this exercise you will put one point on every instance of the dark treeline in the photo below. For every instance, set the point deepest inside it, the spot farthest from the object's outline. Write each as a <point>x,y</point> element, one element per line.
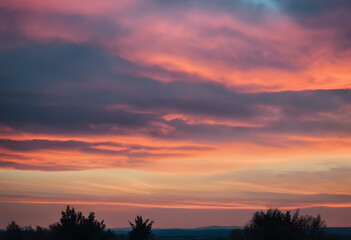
<point>270,225</point>
<point>75,226</point>
<point>276,225</point>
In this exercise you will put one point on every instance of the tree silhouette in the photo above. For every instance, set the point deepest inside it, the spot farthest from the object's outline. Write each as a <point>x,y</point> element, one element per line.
<point>236,234</point>
<point>73,225</point>
<point>141,230</point>
<point>276,225</point>
<point>270,225</point>
<point>13,231</point>
<point>70,220</point>
<point>13,227</point>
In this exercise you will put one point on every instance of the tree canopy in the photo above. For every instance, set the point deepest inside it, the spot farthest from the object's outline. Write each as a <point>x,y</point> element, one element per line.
<point>74,225</point>
<point>275,224</point>
<point>141,230</point>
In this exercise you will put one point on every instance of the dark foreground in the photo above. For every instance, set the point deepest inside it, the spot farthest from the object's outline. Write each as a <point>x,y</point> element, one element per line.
<point>218,232</point>
<point>209,233</point>
<point>272,224</point>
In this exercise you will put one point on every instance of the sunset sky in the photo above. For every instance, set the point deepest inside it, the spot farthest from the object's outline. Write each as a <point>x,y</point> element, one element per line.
<point>189,112</point>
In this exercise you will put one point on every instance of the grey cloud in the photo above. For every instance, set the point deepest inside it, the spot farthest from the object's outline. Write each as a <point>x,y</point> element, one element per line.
<point>60,88</point>
<point>41,167</point>
<point>96,28</point>
<point>320,15</point>
<point>127,150</point>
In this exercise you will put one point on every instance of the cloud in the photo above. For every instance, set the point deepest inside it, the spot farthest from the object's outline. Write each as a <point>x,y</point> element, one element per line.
<point>90,147</point>
<point>236,43</point>
<point>21,26</point>
<point>44,154</point>
<point>175,104</point>
<point>42,167</point>
<point>73,89</point>
<point>328,16</point>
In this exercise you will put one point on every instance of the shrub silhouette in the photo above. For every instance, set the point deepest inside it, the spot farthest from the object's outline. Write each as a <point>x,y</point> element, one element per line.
<point>276,225</point>
<point>141,230</point>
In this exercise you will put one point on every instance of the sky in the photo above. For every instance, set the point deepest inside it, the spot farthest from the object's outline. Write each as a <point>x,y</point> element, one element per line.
<point>189,112</point>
